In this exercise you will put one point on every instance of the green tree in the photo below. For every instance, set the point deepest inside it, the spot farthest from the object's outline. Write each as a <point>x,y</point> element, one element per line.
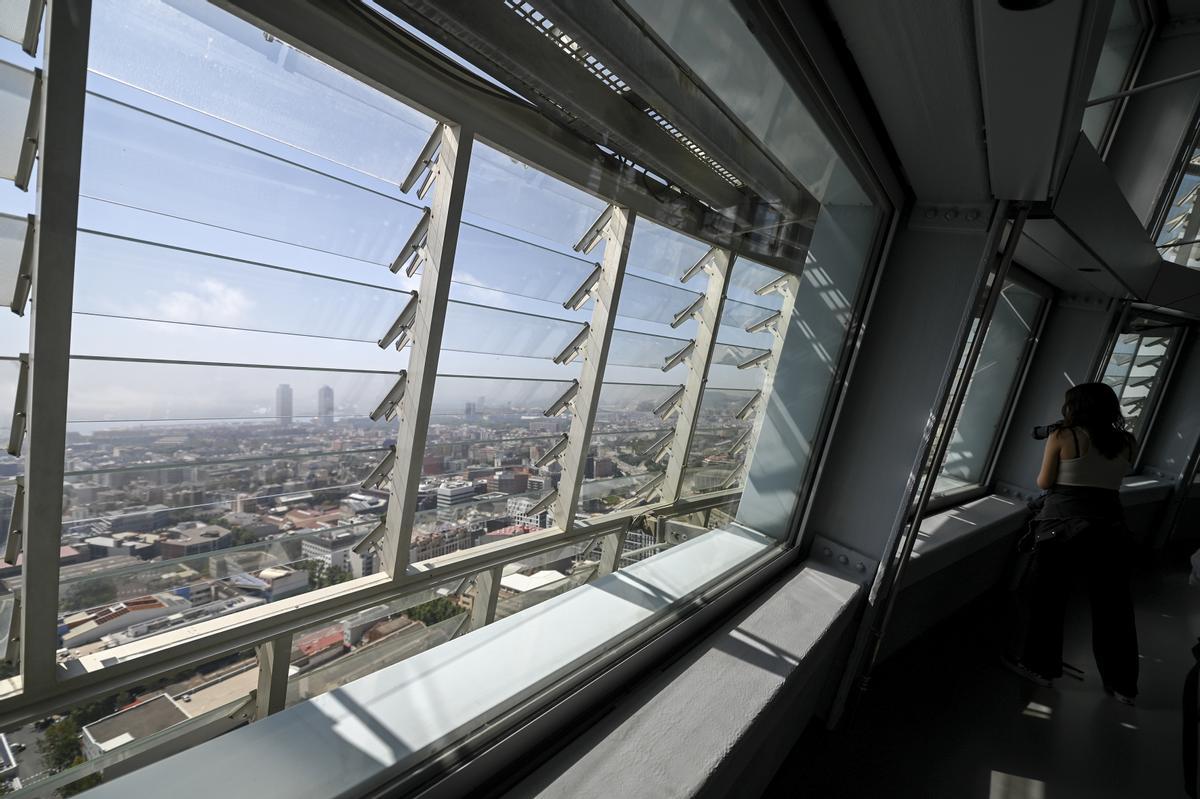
<point>434,611</point>
<point>59,744</point>
<point>90,593</point>
<point>80,785</point>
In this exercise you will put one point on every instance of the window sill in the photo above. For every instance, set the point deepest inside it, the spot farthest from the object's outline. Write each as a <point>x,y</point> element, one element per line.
<point>374,729</point>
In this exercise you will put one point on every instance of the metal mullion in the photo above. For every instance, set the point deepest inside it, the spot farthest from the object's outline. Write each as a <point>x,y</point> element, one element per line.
<point>61,142</point>
<point>707,321</point>
<point>433,296</point>
<point>769,369</point>
<point>273,662</point>
<point>617,234</point>
<point>486,597</point>
<point>1015,391</point>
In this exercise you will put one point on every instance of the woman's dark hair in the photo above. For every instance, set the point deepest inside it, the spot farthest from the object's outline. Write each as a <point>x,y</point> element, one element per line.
<point>1095,408</point>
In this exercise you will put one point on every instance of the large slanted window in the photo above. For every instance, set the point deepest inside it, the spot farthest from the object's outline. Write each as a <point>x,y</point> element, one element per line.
<point>1007,346</point>
<point>1138,368</point>
<point>349,379</point>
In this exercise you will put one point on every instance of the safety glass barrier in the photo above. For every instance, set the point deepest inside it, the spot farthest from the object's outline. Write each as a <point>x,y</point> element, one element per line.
<point>1006,346</point>
<point>81,746</point>
<point>328,656</point>
<point>140,586</point>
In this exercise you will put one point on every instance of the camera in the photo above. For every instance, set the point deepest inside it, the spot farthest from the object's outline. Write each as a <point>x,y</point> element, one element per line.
<point>1043,431</point>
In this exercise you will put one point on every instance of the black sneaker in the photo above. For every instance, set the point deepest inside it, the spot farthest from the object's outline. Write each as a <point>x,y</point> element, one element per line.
<point>1024,672</point>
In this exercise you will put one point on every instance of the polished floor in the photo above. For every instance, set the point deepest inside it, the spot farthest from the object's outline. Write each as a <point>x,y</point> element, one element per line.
<point>944,720</point>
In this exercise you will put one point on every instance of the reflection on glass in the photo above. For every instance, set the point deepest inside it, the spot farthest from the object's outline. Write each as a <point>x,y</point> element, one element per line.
<point>617,466</point>
<point>329,656</point>
<point>88,743</point>
<point>1181,227</point>
<point>1125,29</point>
<point>12,246</point>
<point>1135,368</point>
<point>1013,324</point>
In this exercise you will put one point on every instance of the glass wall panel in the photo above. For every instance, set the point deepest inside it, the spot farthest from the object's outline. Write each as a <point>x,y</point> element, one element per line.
<point>1137,368</point>
<point>1125,30</point>
<point>16,88</point>
<point>989,392</point>
<point>1179,237</point>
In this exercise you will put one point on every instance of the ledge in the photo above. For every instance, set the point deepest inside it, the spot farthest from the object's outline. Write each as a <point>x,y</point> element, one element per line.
<point>355,738</point>
<point>721,717</point>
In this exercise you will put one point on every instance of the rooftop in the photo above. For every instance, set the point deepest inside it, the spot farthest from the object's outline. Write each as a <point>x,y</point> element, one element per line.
<point>134,722</point>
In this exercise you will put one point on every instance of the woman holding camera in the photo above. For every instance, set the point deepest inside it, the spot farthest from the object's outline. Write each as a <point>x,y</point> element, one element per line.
<point>1080,532</point>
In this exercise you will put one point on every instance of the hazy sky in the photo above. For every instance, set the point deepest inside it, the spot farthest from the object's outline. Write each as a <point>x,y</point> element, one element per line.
<point>184,215</point>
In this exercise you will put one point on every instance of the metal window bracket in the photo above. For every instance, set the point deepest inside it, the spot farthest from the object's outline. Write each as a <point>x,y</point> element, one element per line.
<point>391,403</point>
<point>655,450</point>
<point>29,144</point>
<point>595,233</point>
<point>382,470</point>
<point>574,345</point>
<point>553,452</point>
<point>400,329</point>
<point>33,26</point>
<point>671,361</point>
<point>740,442</point>
<point>584,292</point>
<point>669,404</point>
<point>410,253</point>
<point>779,285</point>
<point>749,406</point>
<point>17,432</point>
<point>542,504</point>
<point>12,548</point>
<point>371,538</point>
<point>705,261</point>
<point>425,159</point>
<point>757,360</point>
<point>562,402</point>
<point>25,272</point>
<point>764,323</point>
<point>688,312</point>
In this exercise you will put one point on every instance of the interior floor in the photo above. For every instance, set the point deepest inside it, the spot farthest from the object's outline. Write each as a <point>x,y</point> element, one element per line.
<point>944,719</point>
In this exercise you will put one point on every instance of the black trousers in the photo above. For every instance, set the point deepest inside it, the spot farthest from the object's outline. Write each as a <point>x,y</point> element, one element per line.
<point>1098,556</point>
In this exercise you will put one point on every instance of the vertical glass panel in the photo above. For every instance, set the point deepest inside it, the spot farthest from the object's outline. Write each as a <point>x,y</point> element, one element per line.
<point>617,466</point>
<point>1181,227</point>
<point>201,57</point>
<point>12,246</point>
<point>712,39</point>
<point>83,745</point>
<point>1136,367</point>
<point>1001,358</point>
<point>1120,46</point>
<point>13,17</point>
<point>330,655</point>
<point>16,88</point>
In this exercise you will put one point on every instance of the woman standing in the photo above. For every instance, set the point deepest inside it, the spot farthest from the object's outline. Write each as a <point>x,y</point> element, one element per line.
<point>1080,531</point>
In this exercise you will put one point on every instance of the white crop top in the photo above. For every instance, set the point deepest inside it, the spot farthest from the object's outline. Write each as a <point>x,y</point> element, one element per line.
<point>1092,469</point>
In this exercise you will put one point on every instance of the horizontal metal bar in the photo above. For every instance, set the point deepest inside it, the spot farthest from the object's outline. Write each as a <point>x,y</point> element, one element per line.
<point>213,639</point>
<point>169,362</point>
<point>1158,84</point>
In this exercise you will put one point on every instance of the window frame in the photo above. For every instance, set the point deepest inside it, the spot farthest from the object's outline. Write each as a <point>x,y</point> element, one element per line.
<point>953,497</point>
<point>1140,52</point>
<point>269,626</point>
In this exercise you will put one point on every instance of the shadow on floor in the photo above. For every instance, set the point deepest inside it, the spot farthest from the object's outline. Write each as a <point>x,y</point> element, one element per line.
<point>943,719</point>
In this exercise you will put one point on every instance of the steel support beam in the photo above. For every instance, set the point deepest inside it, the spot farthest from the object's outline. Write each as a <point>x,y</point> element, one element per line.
<point>273,661</point>
<point>432,298</point>
<point>61,138</point>
<point>616,234</point>
<point>717,266</point>
<point>487,597</point>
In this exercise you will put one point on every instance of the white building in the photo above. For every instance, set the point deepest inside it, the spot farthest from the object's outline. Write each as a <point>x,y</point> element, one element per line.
<point>452,494</point>
<point>335,549</point>
<point>88,626</point>
<point>519,507</point>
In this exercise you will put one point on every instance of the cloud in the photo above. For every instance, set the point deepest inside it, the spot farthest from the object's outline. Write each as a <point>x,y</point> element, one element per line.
<point>213,303</point>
